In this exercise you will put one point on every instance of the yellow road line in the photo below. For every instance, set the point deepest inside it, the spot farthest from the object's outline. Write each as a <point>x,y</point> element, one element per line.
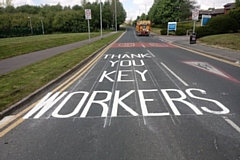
<point>5,131</point>
<point>61,88</point>
<point>18,115</point>
<point>206,55</point>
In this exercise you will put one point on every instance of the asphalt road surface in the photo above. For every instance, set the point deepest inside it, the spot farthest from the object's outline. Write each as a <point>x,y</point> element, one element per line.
<point>143,99</point>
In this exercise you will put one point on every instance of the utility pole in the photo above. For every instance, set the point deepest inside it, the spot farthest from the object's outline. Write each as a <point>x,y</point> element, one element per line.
<point>145,13</point>
<point>42,25</point>
<point>116,15</point>
<point>31,25</point>
<point>101,18</point>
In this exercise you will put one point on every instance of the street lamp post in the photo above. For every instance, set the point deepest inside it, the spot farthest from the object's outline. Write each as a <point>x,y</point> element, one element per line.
<point>101,18</point>
<point>42,25</point>
<point>31,25</point>
<point>145,13</point>
<point>116,15</point>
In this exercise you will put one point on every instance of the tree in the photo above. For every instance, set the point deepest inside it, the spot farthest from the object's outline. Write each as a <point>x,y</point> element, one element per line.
<point>28,9</point>
<point>164,11</point>
<point>235,13</point>
<point>57,18</point>
<point>77,8</point>
<point>237,3</point>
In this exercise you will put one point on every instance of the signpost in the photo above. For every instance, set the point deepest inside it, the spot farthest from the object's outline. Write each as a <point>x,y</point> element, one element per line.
<point>195,14</point>
<point>172,26</point>
<point>88,16</point>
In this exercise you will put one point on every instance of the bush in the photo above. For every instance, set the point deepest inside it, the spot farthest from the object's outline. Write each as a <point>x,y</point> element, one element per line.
<point>204,31</point>
<point>181,31</point>
<point>185,26</point>
<point>223,24</point>
<point>235,14</point>
<point>163,32</point>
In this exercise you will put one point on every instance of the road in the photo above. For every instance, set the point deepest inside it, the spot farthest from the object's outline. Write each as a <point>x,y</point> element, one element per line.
<point>143,99</point>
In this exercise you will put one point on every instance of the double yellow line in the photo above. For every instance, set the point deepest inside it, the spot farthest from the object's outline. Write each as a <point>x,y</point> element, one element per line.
<point>207,55</point>
<point>18,118</point>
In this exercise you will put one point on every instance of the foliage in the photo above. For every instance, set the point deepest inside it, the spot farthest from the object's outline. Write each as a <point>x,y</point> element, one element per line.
<point>170,10</point>
<point>163,32</point>
<point>204,31</point>
<point>57,18</point>
<point>237,3</point>
<point>235,14</point>
<point>181,31</point>
<point>223,24</point>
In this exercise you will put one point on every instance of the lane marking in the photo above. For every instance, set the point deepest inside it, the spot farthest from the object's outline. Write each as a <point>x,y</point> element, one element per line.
<point>236,127</point>
<point>5,119</point>
<point>142,44</point>
<point>68,82</point>
<point>71,80</point>
<point>163,40</point>
<point>18,115</point>
<point>151,53</point>
<point>211,69</point>
<point>183,82</point>
<point>156,84</point>
<point>8,129</point>
<point>209,56</point>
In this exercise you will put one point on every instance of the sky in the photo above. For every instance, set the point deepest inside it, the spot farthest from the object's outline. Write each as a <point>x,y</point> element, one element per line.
<point>132,7</point>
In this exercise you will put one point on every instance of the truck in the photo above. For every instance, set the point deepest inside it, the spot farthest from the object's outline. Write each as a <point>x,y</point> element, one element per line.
<point>143,28</point>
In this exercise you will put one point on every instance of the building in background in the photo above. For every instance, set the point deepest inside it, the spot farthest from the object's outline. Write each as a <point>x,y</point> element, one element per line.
<point>218,11</point>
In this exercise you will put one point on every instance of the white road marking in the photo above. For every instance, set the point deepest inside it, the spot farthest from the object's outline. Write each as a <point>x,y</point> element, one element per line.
<point>143,46</point>
<point>167,41</point>
<point>206,67</point>
<point>5,119</point>
<point>183,82</point>
<point>151,53</point>
<point>211,69</point>
<point>232,124</point>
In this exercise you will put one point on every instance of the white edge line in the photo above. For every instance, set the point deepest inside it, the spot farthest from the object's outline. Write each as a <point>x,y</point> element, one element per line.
<point>183,82</point>
<point>232,124</point>
<point>151,53</point>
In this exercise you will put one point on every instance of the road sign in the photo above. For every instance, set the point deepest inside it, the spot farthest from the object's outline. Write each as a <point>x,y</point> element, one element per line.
<point>195,14</point>
<point>172,26</point>
<point>88,14</point>
<point>205,19</point>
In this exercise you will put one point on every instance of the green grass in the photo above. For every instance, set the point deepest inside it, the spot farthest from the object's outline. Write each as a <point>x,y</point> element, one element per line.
<point>191,22</point>
<point>18,84</point>
<point>155,30</point>
<point>10,47</point>
<point>230,41</point>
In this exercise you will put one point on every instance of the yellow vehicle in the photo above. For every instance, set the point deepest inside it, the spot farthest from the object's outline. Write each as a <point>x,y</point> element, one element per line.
<point>143,28</point>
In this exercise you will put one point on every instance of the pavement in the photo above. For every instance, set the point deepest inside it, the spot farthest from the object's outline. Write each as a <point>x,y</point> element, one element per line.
<point>184,41</point>
<point>11,64</point>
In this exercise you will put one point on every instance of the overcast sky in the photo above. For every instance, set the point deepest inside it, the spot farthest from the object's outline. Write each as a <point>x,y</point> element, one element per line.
<point>132,7</point>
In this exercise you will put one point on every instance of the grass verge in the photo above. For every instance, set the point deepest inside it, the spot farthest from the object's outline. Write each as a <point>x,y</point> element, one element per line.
<point>156,30</point>
<point>10,47</point>
<point>230,41</point>
<point>18,84</point>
